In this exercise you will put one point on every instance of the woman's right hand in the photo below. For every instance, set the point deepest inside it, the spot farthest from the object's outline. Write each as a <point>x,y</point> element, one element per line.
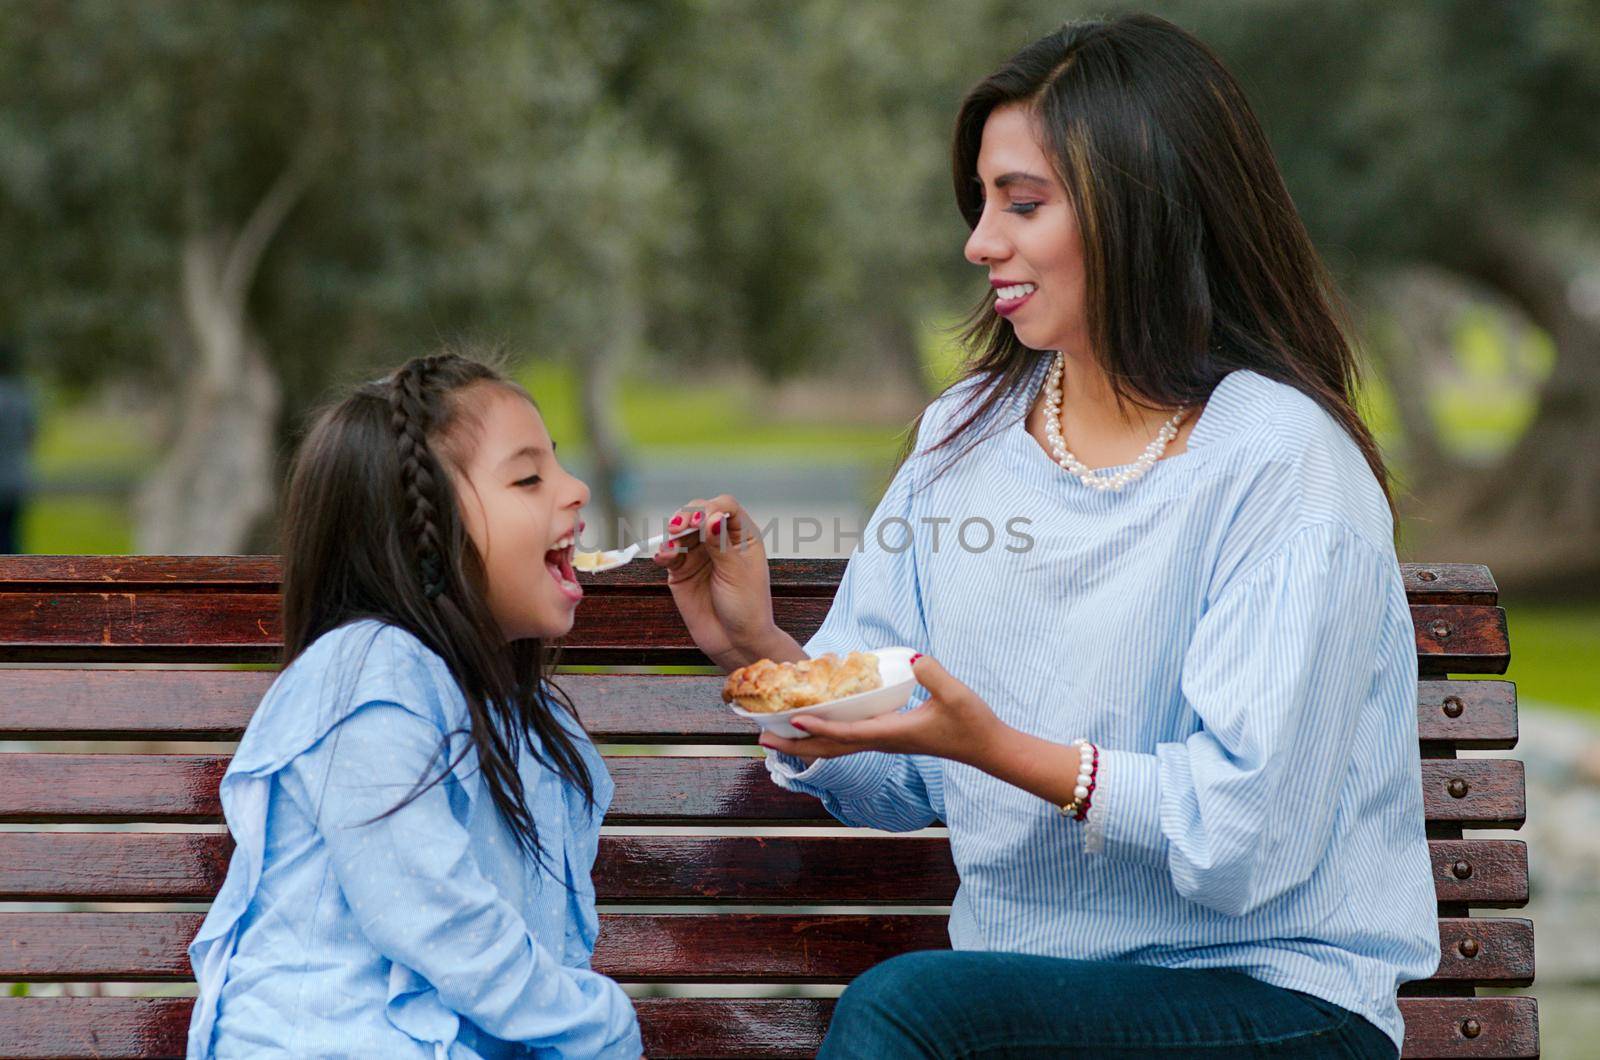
<point>719,581</point>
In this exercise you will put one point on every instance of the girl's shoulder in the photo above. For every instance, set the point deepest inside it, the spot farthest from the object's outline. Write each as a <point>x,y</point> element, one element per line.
<point>382,662</point>
<point>359,663</point>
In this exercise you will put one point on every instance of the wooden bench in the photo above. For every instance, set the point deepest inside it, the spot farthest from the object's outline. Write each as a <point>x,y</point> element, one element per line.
<point>828,906</point>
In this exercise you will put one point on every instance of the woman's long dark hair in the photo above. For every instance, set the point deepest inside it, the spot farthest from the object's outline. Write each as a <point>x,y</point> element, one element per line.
<point>1196,262</point>
<point>372,530</point>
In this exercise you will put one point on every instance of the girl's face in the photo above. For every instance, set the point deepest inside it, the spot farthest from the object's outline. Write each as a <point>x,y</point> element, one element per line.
<point>521,510</point>
<point>1027,237</point>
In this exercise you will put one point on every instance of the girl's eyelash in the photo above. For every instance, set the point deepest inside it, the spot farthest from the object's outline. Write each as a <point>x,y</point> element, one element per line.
<point>531,480</point>
<point>1022,208</point>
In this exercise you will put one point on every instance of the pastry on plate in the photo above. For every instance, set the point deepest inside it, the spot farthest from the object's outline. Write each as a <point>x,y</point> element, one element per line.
<point>767,687</point>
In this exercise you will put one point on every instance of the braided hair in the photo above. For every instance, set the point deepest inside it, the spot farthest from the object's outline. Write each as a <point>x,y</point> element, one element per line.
<point>420,473</point>
<point>372,530</point>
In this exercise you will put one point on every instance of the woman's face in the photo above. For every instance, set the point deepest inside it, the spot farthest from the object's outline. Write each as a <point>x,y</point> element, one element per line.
<point>521,510</point>
<point>1027,237</point>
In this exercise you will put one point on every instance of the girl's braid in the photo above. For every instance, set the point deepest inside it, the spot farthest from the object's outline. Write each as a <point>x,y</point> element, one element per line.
<point>419,469</point>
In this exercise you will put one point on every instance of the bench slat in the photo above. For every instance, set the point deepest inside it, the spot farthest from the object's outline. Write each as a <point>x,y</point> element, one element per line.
<point>1449,583</point>
<point>650,789</point>
<point>1461,583</point>
<point>187,866</point>
<point>50,625</point>
<point>1478,714</point>
<point>55,626</point>
<point>1465,639</point>
<point>650,947</point>
<point>729,947</point>
<point>616,708</point>
<point>125,1028</point>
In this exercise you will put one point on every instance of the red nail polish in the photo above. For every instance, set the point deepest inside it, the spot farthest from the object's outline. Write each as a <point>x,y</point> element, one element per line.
<point>697,517</point>
<point>915,657</point>
<point>676,519</point>
<point>716,524</point>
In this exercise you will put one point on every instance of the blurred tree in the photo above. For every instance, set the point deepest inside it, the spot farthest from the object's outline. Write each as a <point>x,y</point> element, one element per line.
<point>1458,137</point>
<point>819,137</point>
<point>246,197</point>
<point>243,197</point>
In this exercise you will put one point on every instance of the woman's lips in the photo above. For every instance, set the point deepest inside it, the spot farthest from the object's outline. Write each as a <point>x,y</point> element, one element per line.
<point>1006,306</point>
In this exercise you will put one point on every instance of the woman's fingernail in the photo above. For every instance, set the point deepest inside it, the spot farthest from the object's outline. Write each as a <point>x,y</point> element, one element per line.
<point>697,517</point>
<point>915,657</point>
<point>716,524</point>
<point>676,521</point>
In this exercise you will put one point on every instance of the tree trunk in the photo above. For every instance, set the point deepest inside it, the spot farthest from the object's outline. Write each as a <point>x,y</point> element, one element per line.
<point>597,394</point>
<point>218,479</point>
<point>894,336</point>
<point>1412,305</point>
<point>1535,517</point>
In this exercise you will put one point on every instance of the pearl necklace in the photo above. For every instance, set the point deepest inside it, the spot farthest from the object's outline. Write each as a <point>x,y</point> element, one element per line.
<point>1086,475</point>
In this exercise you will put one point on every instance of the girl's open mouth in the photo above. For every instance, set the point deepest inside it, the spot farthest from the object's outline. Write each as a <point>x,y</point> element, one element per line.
<point>558,561</point>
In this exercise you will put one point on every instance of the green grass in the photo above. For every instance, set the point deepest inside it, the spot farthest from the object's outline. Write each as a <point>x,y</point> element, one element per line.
<point>83,443</point>
<point>704,419</point>
<point>79,440</point>
<point>1553,650</point>
<point>68,525</point>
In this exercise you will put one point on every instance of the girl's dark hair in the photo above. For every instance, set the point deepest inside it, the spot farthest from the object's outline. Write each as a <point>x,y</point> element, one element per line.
<point>1195,261</point>
<point>372,530</point>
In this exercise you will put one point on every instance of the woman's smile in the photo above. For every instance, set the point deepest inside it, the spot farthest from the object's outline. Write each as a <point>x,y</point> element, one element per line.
<point>1010,296</point>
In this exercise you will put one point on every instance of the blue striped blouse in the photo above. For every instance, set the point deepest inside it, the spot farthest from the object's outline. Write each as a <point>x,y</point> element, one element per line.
<point>1231,630</point>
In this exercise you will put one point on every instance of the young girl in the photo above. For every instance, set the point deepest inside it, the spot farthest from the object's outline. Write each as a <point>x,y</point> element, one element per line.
<point>1174,737</point>
<point>415,809</point>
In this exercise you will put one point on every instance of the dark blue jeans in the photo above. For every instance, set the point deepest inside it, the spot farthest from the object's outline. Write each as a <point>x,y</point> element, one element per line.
<point>956,1005</point>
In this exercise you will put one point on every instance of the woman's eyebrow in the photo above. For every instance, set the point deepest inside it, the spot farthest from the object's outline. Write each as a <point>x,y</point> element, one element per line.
<point>1019,178</point>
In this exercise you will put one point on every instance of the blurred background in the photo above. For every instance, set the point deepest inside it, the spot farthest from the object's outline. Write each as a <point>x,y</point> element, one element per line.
<point>718,242</point>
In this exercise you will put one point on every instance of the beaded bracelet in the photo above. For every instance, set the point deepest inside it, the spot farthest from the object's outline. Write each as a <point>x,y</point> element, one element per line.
<point>1083,793</point>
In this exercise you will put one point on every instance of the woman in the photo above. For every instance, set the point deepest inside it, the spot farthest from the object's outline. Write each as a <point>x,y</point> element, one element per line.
<point>1171,726</point>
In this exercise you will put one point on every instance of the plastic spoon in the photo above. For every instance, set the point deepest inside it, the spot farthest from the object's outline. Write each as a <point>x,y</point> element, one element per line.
<point>595,562</point>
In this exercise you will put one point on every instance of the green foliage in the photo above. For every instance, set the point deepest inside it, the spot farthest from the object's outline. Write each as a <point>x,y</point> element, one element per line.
<point>720,180</point>
<point>1552,654</point>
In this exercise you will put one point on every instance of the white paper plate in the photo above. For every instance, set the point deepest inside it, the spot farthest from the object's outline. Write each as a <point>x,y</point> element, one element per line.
<point>894,666</point>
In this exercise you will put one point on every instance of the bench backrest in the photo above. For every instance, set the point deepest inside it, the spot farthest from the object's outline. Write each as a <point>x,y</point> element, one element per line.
<point>761,889</point>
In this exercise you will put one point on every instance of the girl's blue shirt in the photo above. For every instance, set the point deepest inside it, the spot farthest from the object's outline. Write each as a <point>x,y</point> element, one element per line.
<point>425,933</point>
<point>1232,630</point>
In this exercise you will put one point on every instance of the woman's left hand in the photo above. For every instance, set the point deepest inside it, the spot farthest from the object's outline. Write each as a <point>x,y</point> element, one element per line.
<point>954,723</point>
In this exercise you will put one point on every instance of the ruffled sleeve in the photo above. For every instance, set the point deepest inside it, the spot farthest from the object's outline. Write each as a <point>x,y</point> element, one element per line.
<point>1278,668</point>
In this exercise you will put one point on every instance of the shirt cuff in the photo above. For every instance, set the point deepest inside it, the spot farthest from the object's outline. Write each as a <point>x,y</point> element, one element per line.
<point>1124,819</point>
<point>846,777</point>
